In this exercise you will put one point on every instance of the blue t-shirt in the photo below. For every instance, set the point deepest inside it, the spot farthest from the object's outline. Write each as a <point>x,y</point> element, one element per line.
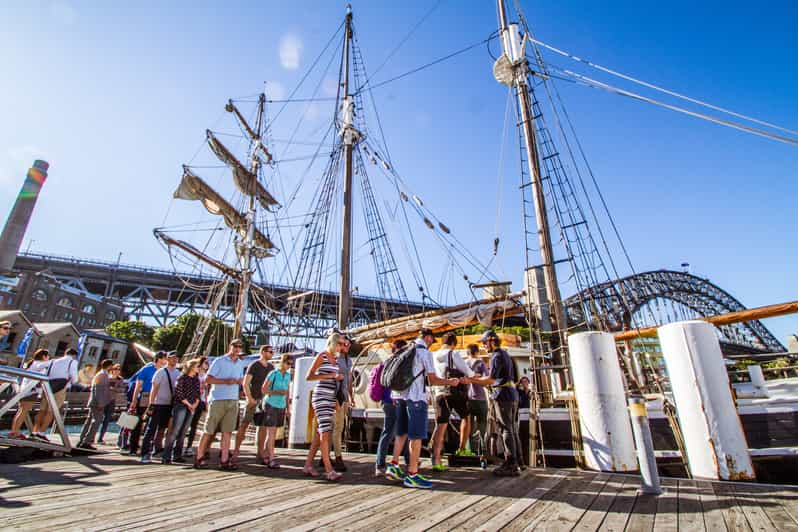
<point>278,381</point>
<point>145,375</point>
<point>224,368</point>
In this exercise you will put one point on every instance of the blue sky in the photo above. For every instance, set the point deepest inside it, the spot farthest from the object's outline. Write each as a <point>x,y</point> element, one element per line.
<point>117,97</point>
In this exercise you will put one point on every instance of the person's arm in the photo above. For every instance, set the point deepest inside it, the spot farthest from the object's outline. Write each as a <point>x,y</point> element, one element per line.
<point>247,392</point>
<point>134,402</point>
<point>311,375</point>
<point>154,390</point>
<point>434,379</point>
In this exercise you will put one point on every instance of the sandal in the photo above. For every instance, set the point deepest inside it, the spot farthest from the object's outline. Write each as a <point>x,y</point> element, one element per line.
<point>310,472</point>
<point>333,475</point>
<point>200,462</point>
<point>273,464</point>
<point>230,465</point>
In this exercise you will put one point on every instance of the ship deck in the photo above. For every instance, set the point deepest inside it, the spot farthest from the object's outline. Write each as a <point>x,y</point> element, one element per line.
<point>110,491</point>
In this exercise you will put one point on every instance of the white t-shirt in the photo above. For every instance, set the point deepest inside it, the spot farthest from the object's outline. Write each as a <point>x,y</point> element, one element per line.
<point>441,358</point>
<point>39,366</point>
<point>421,362</point>
<point>64,367</point>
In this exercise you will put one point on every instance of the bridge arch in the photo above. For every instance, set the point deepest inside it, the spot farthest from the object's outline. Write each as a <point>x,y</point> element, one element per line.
<point>660,296</point>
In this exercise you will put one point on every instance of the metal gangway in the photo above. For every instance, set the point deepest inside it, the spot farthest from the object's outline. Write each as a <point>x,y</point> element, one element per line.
<point>10,376</point>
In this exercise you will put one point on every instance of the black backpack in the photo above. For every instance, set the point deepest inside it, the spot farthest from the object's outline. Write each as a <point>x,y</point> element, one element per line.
<point>397,372</point>
<point>452,372</point>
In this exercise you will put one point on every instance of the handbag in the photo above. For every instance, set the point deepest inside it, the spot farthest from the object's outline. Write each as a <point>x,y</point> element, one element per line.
<point>127,420</point>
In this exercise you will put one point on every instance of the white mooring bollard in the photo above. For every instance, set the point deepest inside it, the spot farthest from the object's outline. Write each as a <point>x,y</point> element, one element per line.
<point>299,426</point>
<point>603,417</point>
<point>713,436</point>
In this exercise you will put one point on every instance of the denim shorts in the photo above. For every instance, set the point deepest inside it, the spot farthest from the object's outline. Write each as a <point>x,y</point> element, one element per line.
<point>411,419</point>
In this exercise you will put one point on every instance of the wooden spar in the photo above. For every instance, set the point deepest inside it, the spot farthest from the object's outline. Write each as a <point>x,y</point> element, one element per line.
<point>439,312</point>
<point>758,313</point>
<point>194,252</point>
<point>349,137</point>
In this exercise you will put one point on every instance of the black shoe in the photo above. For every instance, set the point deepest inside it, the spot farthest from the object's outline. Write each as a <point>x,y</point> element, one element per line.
<point>165,461</point>
<point>87,446</point>
<point>339,465</point>
<point>179,460</point>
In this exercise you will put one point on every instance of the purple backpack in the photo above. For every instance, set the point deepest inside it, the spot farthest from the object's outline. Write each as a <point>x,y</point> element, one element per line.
<point>376,390</point>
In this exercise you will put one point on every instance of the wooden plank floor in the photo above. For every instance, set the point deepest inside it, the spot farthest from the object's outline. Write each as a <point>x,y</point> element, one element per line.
<point>113,492</point>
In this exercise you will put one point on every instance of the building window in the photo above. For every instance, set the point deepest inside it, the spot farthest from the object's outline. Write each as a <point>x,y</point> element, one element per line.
<point>88,308</point>
<point>40,295</point>
<point>66,303</point>
<point>115,354</point>
<point>93,351</point>
<point>110,316</point>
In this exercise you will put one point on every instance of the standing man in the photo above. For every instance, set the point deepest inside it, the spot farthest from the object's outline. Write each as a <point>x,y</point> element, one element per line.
<point>448,399</point>
<point>63,373</point>
<point>253,382</point>
<point>140,399</point>
<point>225,376</point>
<point>342,412</point>
<point>505,402</point>
<point>411,413</point>
<point>160,405</point>
<point>99,398</point>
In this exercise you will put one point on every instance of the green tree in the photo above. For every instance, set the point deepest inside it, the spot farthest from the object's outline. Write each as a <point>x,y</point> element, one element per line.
<point>132,331</point>
<point>177,335</point>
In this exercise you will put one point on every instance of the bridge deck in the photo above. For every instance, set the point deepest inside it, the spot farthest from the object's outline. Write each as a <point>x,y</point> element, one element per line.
<point>110,491</point>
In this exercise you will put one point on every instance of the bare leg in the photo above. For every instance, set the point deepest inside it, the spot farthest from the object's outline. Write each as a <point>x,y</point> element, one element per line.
<point>465,432</point>
<point>325,452</point>
<point>262,453</point>
<point>241,433</point>
<point>226,446</point>
<point>314,447</point>
<point>204,444</point>
<point>437,441</point>
<point>22,410</point>
<point>415,454</point>
<point>272,434</point>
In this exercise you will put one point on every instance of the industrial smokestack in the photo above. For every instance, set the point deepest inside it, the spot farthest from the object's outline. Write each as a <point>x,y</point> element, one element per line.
<point>17,223</point>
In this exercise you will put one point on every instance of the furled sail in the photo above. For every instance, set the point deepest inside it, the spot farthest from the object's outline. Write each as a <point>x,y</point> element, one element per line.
<point>193,188</point>
<point>245,181</point>
<point>194,252</point>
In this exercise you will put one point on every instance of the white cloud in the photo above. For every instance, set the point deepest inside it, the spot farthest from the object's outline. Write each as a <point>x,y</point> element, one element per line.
<point>63,12</point>
<point>290,51</point>
<point>14,164</point>
<point>275,90</point>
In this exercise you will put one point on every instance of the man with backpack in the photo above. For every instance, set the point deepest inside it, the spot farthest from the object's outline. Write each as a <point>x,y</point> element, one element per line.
<point>505,402</point>
<point>448,399</point>
<point>382,395</point>
<point>405,375</point>
<point>160,405</point>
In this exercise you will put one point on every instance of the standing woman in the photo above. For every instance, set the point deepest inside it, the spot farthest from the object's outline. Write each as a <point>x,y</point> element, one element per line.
<point>186,400</point>
<point>117,384</point>
<point>328,377</point>
<point>202,368</point>
<point>99,398</point>
<point>275,402</point>
<point>39,364</point>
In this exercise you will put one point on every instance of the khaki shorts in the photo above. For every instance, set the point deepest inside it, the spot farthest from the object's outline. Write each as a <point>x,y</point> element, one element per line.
<point>249,414</point>
<point>60,397</point>
<point>222,416</point>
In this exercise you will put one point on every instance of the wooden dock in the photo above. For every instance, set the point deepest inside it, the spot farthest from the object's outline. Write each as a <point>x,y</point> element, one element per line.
<point>114,492</point>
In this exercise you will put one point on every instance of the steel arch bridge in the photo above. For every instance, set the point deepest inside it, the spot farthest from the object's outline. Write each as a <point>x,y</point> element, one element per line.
<point>662,296</point>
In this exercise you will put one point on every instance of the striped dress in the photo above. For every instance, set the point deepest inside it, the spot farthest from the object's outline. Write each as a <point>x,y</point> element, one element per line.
<point>323,398</point>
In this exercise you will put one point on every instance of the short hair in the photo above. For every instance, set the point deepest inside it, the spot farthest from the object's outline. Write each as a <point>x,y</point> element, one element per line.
<point>71,352</point>
<point>398,345</point>
<point>116,367</point>
<point>107,363</point>
<point>236,343</point>
<point>40,354</point>
<point>473,349</point>
<point>449,339</point>
<point>263,348</point>
<point>425,332</point>
<point>160,355</point>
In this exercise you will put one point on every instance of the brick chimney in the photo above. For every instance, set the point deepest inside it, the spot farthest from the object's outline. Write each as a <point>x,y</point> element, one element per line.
<point>17,223</point>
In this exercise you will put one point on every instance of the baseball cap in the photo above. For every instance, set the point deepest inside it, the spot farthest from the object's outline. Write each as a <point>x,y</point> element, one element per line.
<point>488,335</point>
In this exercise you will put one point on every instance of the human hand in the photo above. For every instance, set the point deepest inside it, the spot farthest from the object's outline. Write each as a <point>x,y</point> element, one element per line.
<point>251,402</point>
<point>454,381</point>
<point>464,380</point>
<point>339,376</point>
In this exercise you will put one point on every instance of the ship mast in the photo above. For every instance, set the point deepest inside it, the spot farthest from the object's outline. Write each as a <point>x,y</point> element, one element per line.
<point>247,247</point>
<point>350,136</point>
<point>513,51</point>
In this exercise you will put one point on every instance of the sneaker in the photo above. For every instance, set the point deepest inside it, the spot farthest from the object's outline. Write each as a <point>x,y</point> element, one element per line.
<point>464,452</point>
<point>379,471</point>
<point>438,468</point>
<point>415,481</point>
<point>338,464</point>
<point>146,459</point>
<point>394,472</point>
<point>423,477</point>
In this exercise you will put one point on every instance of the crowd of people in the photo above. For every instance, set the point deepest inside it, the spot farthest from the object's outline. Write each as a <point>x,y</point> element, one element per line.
<point>166,401</point>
